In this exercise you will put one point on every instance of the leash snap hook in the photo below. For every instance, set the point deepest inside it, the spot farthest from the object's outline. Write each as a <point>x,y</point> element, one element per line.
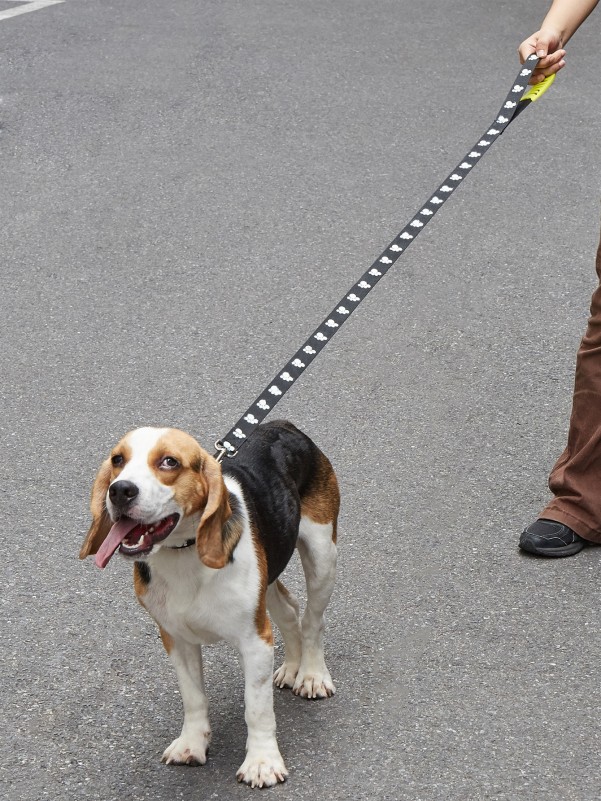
<point>222,450</point>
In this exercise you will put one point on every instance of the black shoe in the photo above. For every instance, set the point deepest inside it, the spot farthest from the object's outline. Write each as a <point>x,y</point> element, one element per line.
<point>549,538</point>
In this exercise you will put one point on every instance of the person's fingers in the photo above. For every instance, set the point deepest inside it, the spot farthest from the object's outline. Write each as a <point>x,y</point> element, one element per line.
<point>551,60</point>
<point>546,42</point>
<point>548,66</point>
<point>543,43</point>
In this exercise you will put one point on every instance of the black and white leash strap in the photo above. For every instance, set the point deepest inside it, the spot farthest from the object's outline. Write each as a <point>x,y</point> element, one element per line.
<point>281,383</point>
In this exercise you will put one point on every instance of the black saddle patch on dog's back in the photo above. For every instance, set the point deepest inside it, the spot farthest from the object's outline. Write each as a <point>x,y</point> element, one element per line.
<point>274,468</point>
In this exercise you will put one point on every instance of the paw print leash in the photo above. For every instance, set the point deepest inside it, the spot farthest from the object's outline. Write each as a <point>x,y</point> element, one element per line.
<point>515,103</point>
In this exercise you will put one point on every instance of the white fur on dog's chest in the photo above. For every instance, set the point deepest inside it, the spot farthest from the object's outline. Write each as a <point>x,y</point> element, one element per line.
<point>199,604</point>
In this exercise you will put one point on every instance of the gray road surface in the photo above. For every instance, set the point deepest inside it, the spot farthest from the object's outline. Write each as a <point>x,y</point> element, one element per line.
<point>186,189</point>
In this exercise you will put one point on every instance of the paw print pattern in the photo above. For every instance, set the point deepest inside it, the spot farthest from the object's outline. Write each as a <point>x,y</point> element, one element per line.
<point>307,352</point>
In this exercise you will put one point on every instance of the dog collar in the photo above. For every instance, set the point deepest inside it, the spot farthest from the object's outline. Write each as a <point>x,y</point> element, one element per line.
<point>186,544</point>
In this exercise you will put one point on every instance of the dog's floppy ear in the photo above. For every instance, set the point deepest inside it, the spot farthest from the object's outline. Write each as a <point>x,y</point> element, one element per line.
<point>101,522</point>
<point>210,536</point>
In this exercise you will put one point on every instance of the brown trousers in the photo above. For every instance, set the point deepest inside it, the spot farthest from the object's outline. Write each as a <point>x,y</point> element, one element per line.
<point>575,481</point>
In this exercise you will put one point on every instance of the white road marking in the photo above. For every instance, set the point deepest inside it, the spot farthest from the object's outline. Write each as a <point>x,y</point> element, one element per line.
<point>25,6</point>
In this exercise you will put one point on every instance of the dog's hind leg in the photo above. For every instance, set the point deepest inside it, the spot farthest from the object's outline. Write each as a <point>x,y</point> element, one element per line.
<point>317,549</point>
<point>284,609</point>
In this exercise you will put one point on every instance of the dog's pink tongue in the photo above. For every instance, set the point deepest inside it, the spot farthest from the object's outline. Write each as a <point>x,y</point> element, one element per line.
<point>115,537</point>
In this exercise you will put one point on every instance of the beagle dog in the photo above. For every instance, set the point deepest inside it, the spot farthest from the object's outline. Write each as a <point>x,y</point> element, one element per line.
<point>208,543</point>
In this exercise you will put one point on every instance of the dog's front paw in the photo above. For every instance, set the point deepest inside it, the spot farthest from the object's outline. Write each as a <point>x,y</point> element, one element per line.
<point>187,750</point>
<point>285,675</point>
<point>262,769</point>
<point>314,684</point>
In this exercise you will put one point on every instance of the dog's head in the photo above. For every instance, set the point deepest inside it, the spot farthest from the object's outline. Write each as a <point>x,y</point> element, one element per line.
<point>154,479</point>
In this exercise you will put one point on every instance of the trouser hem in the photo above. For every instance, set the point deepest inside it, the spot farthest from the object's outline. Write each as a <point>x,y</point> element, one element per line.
<point>558,512</point>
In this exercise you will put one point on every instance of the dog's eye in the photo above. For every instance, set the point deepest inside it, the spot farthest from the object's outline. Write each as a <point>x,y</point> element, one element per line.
<point>117,460</point>
<point>168,463</point>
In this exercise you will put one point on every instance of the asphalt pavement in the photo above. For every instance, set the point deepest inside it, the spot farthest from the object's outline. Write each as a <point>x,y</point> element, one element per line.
<point>186,190</point>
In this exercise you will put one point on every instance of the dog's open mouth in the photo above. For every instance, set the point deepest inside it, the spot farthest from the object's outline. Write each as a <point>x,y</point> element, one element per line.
<point>133,538</point>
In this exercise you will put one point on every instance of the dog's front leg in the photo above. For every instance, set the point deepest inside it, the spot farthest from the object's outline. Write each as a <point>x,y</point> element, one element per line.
<point>191,747</point>
<point>263,766</point>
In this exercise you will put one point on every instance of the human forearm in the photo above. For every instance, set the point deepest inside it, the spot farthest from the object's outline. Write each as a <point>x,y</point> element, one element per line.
<point>566,16</point>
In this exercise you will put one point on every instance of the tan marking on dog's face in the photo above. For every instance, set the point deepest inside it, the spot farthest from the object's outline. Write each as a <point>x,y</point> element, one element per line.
<point>119,457</point>
<point>177,461</point>
<point>323,506</point>
<point>144,458</point>
<point>166,464</point>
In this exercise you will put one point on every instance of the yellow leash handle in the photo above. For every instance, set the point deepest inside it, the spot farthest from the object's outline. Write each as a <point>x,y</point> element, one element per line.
<point>538,90</point>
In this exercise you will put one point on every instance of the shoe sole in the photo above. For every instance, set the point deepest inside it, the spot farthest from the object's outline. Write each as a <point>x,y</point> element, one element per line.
<point>565,550</point>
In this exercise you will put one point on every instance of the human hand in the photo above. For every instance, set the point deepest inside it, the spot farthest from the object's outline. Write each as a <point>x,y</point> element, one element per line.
<point>546,43</point>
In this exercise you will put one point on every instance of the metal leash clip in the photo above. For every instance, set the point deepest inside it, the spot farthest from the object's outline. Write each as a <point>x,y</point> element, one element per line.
<point>221,451</point>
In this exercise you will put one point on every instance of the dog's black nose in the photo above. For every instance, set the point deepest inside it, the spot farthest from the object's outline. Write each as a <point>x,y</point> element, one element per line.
<point>122,493</point>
